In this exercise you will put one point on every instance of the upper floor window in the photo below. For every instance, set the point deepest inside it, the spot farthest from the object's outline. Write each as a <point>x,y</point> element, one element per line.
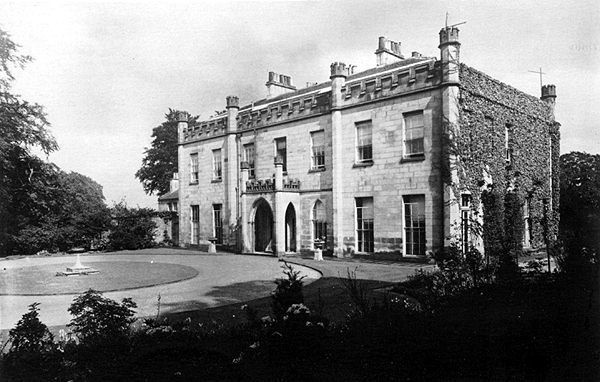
<point>217,167</point>
<point>317,141</point>
<point>249,155</point>
<point>281,151</point>
<point>194,168</point>
<point>364,142</point>
<point>413,134</point>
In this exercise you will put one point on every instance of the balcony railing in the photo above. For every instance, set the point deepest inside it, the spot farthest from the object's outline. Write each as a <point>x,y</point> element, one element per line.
<point>268,185</point>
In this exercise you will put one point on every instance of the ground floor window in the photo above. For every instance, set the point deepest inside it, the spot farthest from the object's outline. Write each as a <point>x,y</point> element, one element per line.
<point>414,225</point>
<point>319,225</point>
<point>526,223</point>
<point>195,239</point>
<point>364,224</point>
<point>465,221</point>
<point>218,223</point>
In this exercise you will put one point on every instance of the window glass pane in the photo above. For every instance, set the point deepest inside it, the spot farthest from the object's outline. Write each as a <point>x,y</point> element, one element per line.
<point>281,151</point>
<point>364,141</point>
<point>414,224</point>
<point>217,164</point>
<point>318,149</point>
<point>193,167</point>
<point>218,223</point>
<point>249,157</point>
<point>413,134</point>
<point>364,224</point>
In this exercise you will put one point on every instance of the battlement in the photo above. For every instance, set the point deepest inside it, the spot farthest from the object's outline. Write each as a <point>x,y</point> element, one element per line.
<point>233,101</point>
<point>548,91</point>
<point>205,129</point>
<point>182,116</point>
<point>449,35</point>
<point>338,69</point>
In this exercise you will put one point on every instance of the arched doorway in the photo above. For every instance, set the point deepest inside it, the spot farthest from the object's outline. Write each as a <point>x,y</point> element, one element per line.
<point>263,227</point>
<point>290,229</point>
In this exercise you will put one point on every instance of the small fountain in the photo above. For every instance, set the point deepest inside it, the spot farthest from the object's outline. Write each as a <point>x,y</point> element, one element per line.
<point>78,269</point>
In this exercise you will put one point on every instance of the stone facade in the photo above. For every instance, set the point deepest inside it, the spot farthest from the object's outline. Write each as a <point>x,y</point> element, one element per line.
<point>364,159</point>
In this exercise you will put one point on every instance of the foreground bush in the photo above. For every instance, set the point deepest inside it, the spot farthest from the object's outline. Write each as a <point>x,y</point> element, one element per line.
<point>527,328</point>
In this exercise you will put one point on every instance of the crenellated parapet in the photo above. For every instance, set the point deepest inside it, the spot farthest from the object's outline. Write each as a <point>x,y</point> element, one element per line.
<point>285,110</point>
<point>449,35</point>
<point>408,77</point>
<point>205,129</point>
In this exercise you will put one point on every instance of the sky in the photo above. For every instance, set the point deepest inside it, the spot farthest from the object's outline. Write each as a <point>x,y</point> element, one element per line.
<point>107,72</point>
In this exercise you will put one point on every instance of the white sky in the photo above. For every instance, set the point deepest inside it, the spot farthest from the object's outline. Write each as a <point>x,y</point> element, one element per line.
<point>108,71</point>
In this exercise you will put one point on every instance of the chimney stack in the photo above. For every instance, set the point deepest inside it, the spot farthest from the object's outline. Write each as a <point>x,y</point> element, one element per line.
<point>388,52</point>
<point>279,84</point>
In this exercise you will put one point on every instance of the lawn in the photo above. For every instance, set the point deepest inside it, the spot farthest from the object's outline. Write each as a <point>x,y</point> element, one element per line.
<point>114,275</point>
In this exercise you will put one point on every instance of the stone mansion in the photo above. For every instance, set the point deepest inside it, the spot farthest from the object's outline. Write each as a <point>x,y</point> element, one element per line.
<point>391,160</point>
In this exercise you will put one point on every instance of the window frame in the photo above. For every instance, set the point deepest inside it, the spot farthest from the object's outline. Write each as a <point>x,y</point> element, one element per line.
<point>277,152</point>
<point>217,174</point>
<point>360,157</point>
<point>251,164</point>
<point>406,117</point>
<point>365,227</point>
<point>465,221</point>
<point>410,229</point>
<point>527,231</point>
<point>317,160</point>
<point>195,224</point>
<point>194,178</point>
<point>319,226</point>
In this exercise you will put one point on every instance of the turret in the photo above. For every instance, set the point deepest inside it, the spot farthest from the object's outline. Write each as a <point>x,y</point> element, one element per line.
<point>449,54</point>
<point>339,72</point>
<point>549,96</point>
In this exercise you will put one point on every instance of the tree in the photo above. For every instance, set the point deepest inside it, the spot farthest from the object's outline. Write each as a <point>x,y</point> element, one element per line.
<point>132,228</point>
<point>580,199</point>
<point>84,214</point>
<point>32,355</point>
<point>97,318</point>
<point>23,126</point>
<point>160,160</point>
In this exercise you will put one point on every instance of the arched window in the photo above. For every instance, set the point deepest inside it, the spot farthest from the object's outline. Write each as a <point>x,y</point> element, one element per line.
<point>319,224</point>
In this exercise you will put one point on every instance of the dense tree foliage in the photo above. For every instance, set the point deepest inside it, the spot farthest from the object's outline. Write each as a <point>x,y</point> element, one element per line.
<point>160,160</point>
<point>41,207</point>
<point>580,199</point>
<point>132,228</point>
<point>23,127</point>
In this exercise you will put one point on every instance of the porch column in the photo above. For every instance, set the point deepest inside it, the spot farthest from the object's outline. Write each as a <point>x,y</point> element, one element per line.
<point>279,210</point>
<point>246,247</point>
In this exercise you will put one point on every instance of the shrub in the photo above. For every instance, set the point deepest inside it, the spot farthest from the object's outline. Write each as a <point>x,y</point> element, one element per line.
<point>97,317</point>
<point>32,354</point>
<point>288,291</point>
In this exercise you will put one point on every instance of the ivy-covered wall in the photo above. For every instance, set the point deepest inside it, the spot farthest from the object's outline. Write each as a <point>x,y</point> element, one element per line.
<point>487,108</point>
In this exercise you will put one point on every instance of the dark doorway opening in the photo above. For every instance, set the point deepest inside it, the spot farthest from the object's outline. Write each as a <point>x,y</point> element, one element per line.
<point>263,228</point>
<point>290,229</point>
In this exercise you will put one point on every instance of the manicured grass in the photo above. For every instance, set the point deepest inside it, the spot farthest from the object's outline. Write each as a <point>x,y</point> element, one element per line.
<point>114,275</point>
